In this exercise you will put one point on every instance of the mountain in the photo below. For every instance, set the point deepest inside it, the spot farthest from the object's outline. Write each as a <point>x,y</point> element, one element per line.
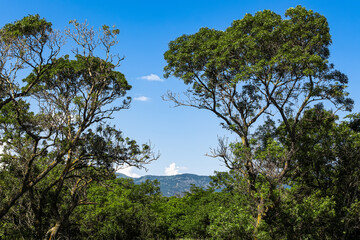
<point>174,185</point>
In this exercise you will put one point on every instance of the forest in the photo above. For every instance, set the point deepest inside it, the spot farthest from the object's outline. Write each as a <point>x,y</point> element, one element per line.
<point>293,173</point>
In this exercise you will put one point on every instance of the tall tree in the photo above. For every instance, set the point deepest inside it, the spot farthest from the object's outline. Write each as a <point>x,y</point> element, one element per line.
<point>53,126</point>
<point>261,65</point>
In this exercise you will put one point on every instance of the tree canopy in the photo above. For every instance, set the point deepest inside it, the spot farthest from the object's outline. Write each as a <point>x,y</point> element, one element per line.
<point>261,67</point>
<point>293,171</point>
<point>54,132</point>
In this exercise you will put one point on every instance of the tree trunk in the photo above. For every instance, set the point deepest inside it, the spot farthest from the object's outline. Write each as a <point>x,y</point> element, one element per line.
<point>261,212</point>
<point>51,234</point>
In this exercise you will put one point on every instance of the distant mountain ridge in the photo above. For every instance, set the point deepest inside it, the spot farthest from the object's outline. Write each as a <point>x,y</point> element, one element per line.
<point>173,185</point>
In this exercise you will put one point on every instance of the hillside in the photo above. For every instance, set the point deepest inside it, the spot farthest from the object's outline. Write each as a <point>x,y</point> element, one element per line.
<point>174,185</point>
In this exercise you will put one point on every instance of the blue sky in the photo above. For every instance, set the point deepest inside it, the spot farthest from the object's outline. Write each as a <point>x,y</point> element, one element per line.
<point>182,135</point>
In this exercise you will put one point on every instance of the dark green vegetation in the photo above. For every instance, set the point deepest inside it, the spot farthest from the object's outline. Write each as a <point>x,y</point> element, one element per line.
<point>175,185</point>
<point>53,124</point>
<point>273,73</point>
<point>295,176</point>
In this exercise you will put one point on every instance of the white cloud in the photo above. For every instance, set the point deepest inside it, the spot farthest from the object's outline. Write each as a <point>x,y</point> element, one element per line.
<point>142,99</point>
<point>128,172</point>
<point>173,169</point>
<point>152,77</point>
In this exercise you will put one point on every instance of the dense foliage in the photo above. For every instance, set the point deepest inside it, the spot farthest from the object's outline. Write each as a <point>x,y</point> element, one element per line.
<point>54,135</point>
<point>295,176</point>
<point>321,202</point>
<point>269,71</point>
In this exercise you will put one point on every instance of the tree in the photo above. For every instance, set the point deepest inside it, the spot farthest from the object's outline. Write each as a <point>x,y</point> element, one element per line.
<point>320,200</point>
<point>123,211</point>
<point>324,187</point>
<point>28,43</point>
<point>261,65</point>
<point>53,127</point>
